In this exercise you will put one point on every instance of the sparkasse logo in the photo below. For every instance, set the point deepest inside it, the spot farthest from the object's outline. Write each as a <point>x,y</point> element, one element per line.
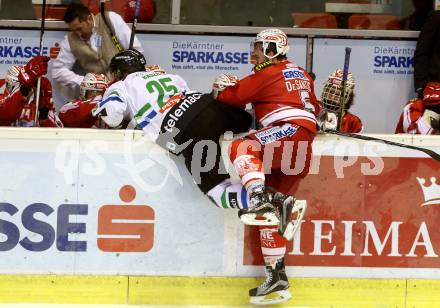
<point>66,227</point>
<point>126,228</point>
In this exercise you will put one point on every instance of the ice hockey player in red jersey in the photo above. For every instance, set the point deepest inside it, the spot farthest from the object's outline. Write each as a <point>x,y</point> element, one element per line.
<point>422,116</point>
<point>331,101</point>
<point>18,105</point>
<point>185,122</point>
<point>286,107</point>
<point>78,113</point>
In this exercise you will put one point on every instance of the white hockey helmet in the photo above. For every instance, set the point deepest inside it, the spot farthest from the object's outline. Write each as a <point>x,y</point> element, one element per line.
<point>93,82</point>
<point>332,92</point>
<point>154,69</point>
<point>276,36</point>
<point>11,78</point>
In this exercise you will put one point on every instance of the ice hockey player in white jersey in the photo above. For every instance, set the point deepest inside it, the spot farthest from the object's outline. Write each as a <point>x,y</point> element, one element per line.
<point>171,114</point>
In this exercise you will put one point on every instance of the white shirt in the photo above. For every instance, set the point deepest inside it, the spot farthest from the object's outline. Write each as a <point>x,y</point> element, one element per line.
<point>62,65</point>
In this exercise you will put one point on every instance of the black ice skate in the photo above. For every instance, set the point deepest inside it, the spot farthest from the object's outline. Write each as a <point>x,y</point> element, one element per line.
<point>274,290</point>
<point>291,213</point>
<point>260,212</point>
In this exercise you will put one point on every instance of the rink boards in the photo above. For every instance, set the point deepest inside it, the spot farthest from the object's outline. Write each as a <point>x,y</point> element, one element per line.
<point>91,216</point>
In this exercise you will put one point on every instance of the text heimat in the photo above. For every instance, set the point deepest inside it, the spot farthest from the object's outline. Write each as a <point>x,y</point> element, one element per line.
<point>361,239</point>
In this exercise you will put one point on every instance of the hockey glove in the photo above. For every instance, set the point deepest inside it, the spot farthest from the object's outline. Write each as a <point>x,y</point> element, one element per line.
<point>46,103</point>
<point>332,121</point>
<point>326,120</point>
<point>431,118</point>
<point>221,82</point>
<point>45,94</point>
<point>35,68</point>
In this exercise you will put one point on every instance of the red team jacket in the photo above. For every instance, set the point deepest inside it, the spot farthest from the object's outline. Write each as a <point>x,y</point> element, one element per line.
<point>78,113</point>
<point>18,110</point>
<point>11,106</point>
<point>351,123</point>
<point>411,121</point>
<point>280,92</point>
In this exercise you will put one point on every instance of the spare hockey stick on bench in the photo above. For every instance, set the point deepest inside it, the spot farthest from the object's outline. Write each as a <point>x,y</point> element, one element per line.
<point>40,51</point>
<point>431,153</point>
<point>134,25</point>
<point>343,85</point>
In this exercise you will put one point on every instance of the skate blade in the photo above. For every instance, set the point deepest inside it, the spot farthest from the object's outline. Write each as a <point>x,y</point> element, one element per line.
<point>283,296</point>
<point>298,212</point>
<point>267,219</point>
<point>288,204</point>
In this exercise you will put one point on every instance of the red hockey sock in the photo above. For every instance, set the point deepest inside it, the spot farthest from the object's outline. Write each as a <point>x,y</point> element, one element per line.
<point>273,245</point>
<point>247,161</point>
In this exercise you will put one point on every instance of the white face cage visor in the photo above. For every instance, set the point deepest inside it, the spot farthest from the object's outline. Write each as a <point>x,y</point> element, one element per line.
<point>332,97</point>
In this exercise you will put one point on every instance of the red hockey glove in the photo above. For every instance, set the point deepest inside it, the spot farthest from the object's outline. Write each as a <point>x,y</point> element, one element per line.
<point>35,68</point>
<point>45,88</point>
<point>45,94</point>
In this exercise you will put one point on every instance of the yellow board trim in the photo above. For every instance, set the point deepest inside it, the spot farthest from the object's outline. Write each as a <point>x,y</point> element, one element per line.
<point>215,291</point>
<point>63,289</point>
<point>423,293</point>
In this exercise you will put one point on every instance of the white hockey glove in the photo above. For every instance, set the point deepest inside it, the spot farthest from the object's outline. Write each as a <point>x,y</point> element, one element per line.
<point>429,123</point>
<point>326,120</point>
<point>221,82</point>
<point>332,121</point>
<point>432,118</point>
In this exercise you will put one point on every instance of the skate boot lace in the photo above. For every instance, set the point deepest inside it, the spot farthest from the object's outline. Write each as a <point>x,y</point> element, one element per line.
<point>258,198</point>
<point>268,281</point>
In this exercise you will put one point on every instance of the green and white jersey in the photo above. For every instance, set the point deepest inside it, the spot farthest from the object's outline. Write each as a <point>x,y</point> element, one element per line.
<point>144,97</point>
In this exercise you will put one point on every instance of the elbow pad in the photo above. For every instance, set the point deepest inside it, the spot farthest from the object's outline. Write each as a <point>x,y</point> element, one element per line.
<point>112,113</point>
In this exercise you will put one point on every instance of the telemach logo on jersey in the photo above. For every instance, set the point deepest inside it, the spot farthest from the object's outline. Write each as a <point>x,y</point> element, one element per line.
<point>175,117</point>
<point>385,220</point>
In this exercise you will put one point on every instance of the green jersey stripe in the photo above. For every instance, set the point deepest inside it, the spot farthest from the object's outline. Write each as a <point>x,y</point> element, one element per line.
<point>223,200</point>
<point>141,111</point>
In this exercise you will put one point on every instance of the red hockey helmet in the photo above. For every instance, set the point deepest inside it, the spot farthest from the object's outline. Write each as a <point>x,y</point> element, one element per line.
<point>12,77</point>
<point>93,82</point>
<point>154,69</point>
<point>332,95</point>
<point>431,94</point>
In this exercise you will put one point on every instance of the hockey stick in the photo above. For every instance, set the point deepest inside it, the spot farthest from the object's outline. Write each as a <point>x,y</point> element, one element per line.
<point>431,153</point>
<point>134,25</point>
<point>40,51</point>
<point>343,84</point>
<point>114,38</point>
